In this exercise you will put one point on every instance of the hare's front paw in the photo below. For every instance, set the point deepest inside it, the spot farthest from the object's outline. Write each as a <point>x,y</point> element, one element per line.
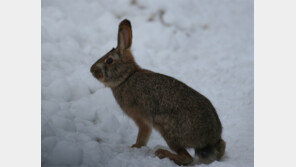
<point>137,145</point>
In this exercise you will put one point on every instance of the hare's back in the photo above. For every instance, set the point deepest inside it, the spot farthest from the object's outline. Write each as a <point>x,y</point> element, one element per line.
<point>169,91</point>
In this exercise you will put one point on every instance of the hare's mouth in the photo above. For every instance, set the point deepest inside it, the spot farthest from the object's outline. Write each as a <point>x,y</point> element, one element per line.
<point>98,74</point>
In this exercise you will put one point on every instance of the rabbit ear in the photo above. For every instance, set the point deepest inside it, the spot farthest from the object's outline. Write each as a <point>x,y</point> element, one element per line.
<point>124,35</point>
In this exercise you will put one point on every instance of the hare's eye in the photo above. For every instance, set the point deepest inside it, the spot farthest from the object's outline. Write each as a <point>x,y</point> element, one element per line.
<point>109,60</point>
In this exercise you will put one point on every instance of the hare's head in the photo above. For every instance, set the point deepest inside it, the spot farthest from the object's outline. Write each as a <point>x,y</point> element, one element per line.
<point>118,64</point>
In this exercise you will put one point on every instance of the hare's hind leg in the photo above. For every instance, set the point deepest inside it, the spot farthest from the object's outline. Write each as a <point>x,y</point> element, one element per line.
<point>143,134</point>
<point>181,158</point>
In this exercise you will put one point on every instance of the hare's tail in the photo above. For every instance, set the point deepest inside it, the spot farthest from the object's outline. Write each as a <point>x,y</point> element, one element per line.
<point>211,153</point>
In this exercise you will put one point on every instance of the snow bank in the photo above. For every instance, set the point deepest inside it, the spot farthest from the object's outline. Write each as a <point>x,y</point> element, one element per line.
<point>206,44</point>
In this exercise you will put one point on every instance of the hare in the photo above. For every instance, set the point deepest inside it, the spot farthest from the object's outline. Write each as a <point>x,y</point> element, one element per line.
<point>183,117</point>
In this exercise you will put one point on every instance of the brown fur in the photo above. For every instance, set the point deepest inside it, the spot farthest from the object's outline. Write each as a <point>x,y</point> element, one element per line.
<point>184,117</point>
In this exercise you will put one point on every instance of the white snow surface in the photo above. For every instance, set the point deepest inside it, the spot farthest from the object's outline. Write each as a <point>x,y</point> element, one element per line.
<point>206,44</point>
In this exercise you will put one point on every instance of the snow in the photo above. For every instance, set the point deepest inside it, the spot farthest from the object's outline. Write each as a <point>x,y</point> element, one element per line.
<point>206,44</point>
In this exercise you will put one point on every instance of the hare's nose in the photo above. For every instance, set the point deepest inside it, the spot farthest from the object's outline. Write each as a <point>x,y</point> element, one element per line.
<point>93,68</point>
<point>96,68</point>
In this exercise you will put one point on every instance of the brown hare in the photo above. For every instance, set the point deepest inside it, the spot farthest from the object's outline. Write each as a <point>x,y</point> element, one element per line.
<point>184,117</point>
